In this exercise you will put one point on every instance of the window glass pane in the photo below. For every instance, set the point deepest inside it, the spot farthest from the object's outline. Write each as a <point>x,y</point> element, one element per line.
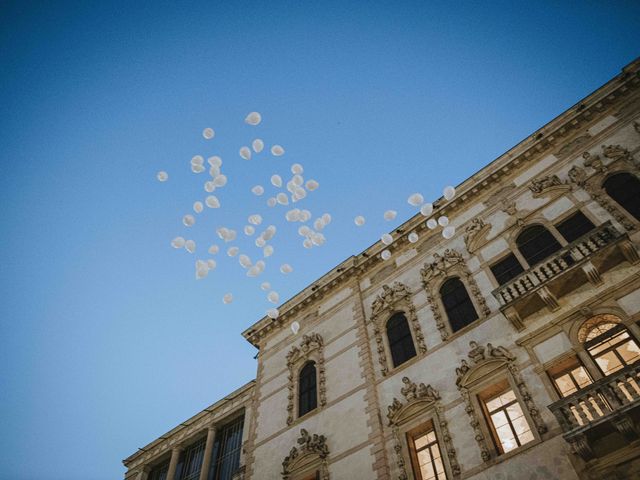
<point>581,376</point>
<point>536,243</point>
<point>526,437</point>
<point>575,226</point>
<point>431,436</point>
<point>421,442</point>
<point>499,418</point>
<point>493,404</point>
<point>307,395</point>
<point>506,269</point>
<point>427,471</point>
<point>608,363</point>
<point>507,440</point>
<point>624,188</point>
<point>514,411</point>
<point>400,339</point>
<point>508,397</point>
<point>565,385</point>
<point>457,304</point>
<point>424,457</point>
<point>629,352</point>
<point>520,425</point>
<point>439,467</point>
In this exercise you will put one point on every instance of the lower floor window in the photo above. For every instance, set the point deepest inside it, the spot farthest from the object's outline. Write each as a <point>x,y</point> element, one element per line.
<point>509,424</point>
<point>425,454</point>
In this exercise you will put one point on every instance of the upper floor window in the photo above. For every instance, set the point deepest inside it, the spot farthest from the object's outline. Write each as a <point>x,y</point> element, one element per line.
<point>575,226</point>
<point>160,472</point>
<point>191,461</point>
<point>610,345</point>
<point>426,457</point>
<point>400,340</point>
<point>457,304</point>
<point>624,188</point>
<point>536,243</point>
<point>506,269</point>
<point>307,392</point>
<point>569,376</point>
<point>509,426</point>
<point>226,450</point>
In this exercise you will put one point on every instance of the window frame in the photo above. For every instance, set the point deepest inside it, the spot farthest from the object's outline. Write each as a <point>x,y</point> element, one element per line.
<point>502,258</point>
<point>479,313</point>
<point>410,437</point>
<point>566,366</point>
<point>388,342</point>
<point>315,387</point>
<point>610,334</point>
<point>612,174</point>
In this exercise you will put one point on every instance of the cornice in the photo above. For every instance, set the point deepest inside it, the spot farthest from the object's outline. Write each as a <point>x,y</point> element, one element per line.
<point>542,142</point>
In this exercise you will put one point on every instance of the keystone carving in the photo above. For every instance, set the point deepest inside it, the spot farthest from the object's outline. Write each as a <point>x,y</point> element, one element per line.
<point>311,449</point>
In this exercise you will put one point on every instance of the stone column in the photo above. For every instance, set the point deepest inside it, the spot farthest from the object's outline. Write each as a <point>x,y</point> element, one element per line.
<point>206,460</point>
<point>173,464</point>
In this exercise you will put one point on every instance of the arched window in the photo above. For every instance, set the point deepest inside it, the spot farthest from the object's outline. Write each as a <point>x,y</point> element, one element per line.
<point>536,243</point>
<point>400,340</point>
<point>457,304</point>
<point>609,343</point>
<point>307,389</point>
<point>624,188</point>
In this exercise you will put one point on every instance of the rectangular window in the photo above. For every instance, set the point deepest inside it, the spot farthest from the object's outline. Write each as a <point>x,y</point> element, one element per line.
<point>425,453</point>
<point>506,269</point>
<point>160,472</point>
<point>226,451</point>
<point>615,352</point>
<point>508,423</point>
<point>191,462</point>
<point>569,376</point>
<point>575,226</point>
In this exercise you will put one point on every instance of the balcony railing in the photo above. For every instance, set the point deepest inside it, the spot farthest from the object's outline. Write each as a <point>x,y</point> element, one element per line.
<point>596,403</point>
<point>568,258</point>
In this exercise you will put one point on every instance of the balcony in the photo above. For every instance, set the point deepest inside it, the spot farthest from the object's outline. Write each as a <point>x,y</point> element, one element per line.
<point>580,262</point>
<point>603,417</point>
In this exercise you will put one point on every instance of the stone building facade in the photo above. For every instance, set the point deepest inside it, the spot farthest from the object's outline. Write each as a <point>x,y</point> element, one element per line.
<point>508,352</point>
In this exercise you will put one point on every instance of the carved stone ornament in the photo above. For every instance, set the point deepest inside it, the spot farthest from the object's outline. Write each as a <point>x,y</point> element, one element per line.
<point>394,299</point>
<point>592,183</point>
<point>420,400</point>
<point>549,184</point>
<point>311,348</point>
<point>475,234</point>
<point>485,361</point>
<point>447,264</point>
<point>310,454</point>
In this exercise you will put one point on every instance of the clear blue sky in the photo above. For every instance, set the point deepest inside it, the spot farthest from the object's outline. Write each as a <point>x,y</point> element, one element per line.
<point>107,339</point>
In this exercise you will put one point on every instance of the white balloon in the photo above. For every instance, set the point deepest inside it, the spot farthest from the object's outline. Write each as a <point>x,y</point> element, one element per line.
<point>231,236</point>
<point>212,201</point>
<point>415,199</point>
<point>282,199</point>
<point>257,145</point>
<point>273,313</point>
<point>188,220</point>
<point>318,224</point>
<point>197,168</point>
<point>244,260</point>
<point>297,180</point>
<point>220,180</point>
<point>249,230</point>
<point>386,255</point>
<point>197,160</point>
<point>213,249</point>
<point>201,273</point>
<point>198,207</point>
<point>267,251</point>
<point>222,232</point>
<point>214,161</point>
<point>449,192</point>
<point>326,218</point>
<point>304,231</point>
<point>245,153</point>
<point>293,215</point>
<point>211,263</point>
<point>190,246</point>
<point>307,243</point>
<point>254,118</point>
<point>271,202</point>
<point>178,242</point>
<point>295,327</point>
<point>359,220</point>
<point>305,215</point>
<point>443,221</point>
<point>431,224</point>
<point>257,190</point>
<point>390,215</point>
<point>232,251</point>
<point>255,219</point>
<point>413,237</point>
<point>209,186</point>
<point>162,176</point>
<point>253,271</point>
<point>296,169</point>
<point>318,239</point>
<point>269,232</point>
<point>260,242</point>
<point>208,133</point>
<point>228,298</point>
<point>426,209</point>
<point>299,193</point>
<point>286,268</point>
<point>449,232</point>
<point>273,297</point>
<point>312,185</point>
<point>265,286</point>
<point>387,239</point>
<point>276,180</point>
<point>261,264</point>
<point>277,150</point>
<point>214,171</point>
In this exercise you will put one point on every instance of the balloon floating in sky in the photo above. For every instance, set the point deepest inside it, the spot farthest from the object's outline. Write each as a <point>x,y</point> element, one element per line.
<point>257,145</point>
<point>413,237</point>
<point>390,215</point>
<point>385,255</point>
<point>190,246</point>
<point>228,298</point>
<point>198,207</point>
<point>387,239</point>
<point>443,221</point>
<point>277,150</point>
<point>359,220</point>
<point>265,286</point>
<point>178,242</point>
<point>448,232</point>
<point>254,118</point>
<point>449,193</point>
<point>295,327</point>
<point>273,313</point>
<point>208,133</point>
<point>162,176</point>
<point>188,220</point>
<point>245,153</point>
<point>415,199</point>
<point>286,268</point>
<point>426,209</point>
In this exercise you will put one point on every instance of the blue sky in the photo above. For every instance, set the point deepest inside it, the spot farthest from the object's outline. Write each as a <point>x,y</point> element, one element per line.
<point>108,340</point>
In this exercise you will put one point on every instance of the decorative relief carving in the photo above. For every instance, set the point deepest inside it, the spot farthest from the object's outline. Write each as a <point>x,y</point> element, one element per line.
<point>311,452</point>
<point>616,152</point>
<point>594,162</point>
<point>311,348</point>
<point>549,184</point>
<point>573,146</point>
<point>475,234</point>
<point>396,298</point>
<point>420,399</point>
<point>486,360</point>
<point>450,263</point>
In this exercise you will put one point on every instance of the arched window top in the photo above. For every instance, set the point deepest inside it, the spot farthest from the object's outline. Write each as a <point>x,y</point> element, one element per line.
<point>307,388</point>
<point>457,303</point>
<point>400,339</point>
<point>596,326</point>
<point>624,188</point>
<point>536,243</point>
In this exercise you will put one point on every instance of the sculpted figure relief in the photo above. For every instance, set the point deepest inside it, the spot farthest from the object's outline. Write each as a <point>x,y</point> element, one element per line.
<point>409,390</point>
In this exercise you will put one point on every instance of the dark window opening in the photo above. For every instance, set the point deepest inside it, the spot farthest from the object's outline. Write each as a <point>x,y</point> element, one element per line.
<point>575,226</point>
<point>457,304</point>
<point>191,461</point>
<point>537,243</point>
<point>400,340</point>
<point>307,391</point>
<point>624,188</point>
<point>226,451</point>
<point>160,472</point>
<point>506,269</point>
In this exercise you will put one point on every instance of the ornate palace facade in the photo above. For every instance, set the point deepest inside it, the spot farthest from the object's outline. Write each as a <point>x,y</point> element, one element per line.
<point>508,352</point>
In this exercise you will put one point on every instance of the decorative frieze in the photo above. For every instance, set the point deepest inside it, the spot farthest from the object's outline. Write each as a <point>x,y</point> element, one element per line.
<point>311,453</point>
<point>450,263</point>
<point>396,298</point>
<point>311,348</point>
